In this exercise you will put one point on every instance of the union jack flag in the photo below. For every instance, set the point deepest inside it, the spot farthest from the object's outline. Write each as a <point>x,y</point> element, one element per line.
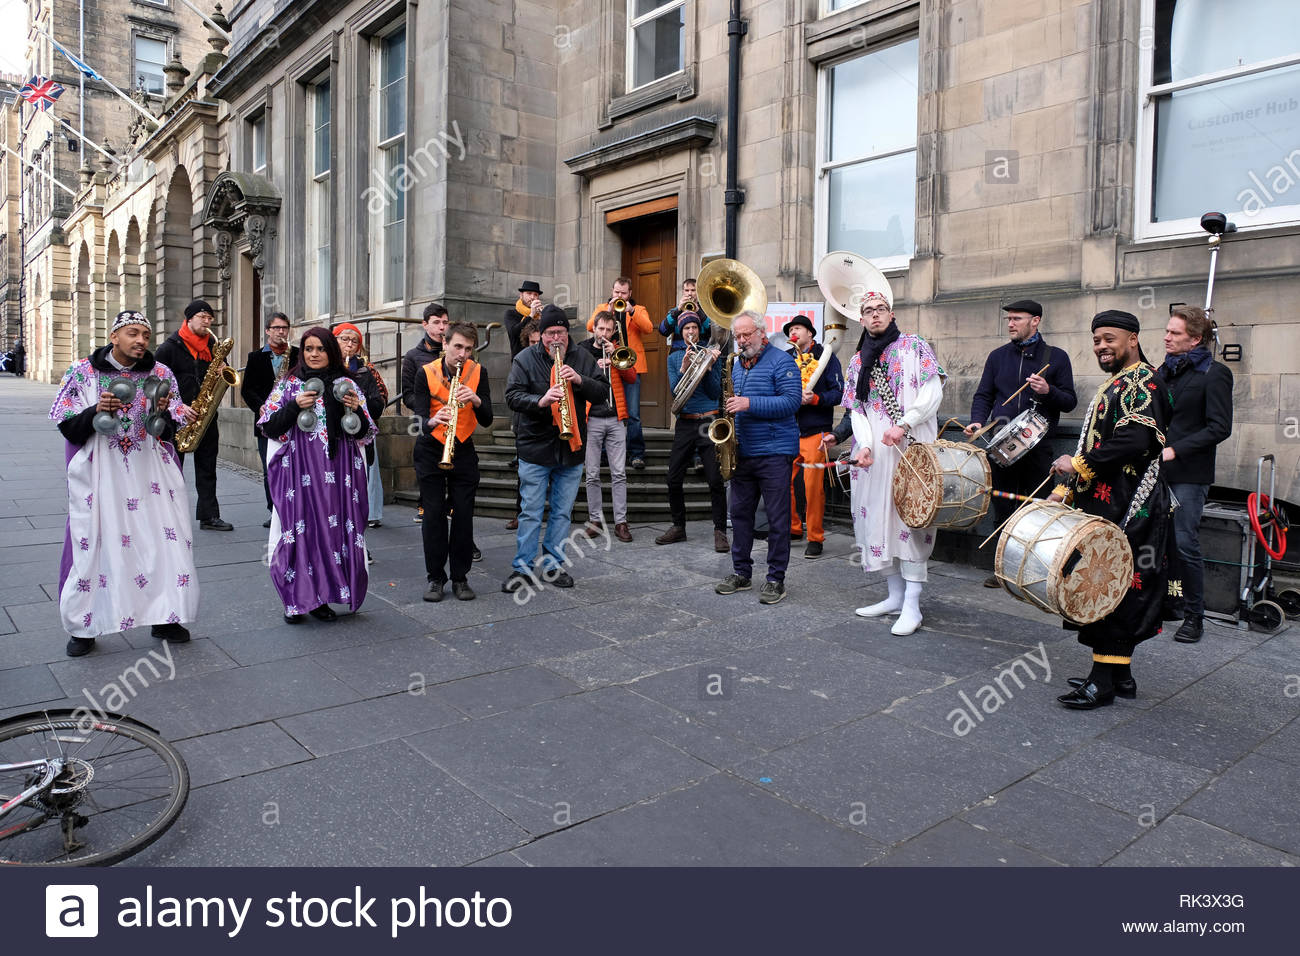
<point>41,92</point>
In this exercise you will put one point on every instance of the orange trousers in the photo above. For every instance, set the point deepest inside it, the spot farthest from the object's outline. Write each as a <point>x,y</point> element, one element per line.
<point>814,487</point>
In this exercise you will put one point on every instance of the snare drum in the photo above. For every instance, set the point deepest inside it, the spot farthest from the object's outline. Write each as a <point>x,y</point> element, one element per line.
<point>945,484</point>
<point>1064,561</point>
<point>1018,436</point>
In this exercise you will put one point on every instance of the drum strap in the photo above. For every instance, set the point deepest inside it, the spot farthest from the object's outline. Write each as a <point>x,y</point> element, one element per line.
<point>887,396</point>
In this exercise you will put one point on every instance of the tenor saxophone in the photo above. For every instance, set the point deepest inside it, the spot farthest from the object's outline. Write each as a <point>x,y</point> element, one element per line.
<point>218,378</point>
<point>722,430</point>
<point>448,447</point>
<point>566,400</point>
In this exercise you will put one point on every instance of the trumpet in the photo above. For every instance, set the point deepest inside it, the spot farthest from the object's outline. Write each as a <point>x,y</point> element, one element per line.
<point>453,404</point>
<point>567,420</point>
<point>623,358</point>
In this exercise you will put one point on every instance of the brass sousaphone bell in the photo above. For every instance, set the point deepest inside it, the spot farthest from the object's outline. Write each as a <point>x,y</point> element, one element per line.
<point>623,357</point>
<point>726,288</point>
<point>845,279</point>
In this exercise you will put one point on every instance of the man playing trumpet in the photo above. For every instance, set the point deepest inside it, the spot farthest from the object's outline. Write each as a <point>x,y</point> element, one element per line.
<point>636,323</point>
<point>451,488</point>
<point>606,432</point>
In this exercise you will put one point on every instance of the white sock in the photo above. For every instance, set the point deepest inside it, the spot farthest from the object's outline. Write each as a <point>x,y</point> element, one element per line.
<point>910,618</point>
<point>890,604</point>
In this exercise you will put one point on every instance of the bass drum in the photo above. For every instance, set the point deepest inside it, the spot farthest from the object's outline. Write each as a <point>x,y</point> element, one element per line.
<point>1064,562</point>
<point>945,484</point>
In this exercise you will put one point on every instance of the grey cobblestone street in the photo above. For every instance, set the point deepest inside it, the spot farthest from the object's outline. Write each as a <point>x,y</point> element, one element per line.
<point>639,718</point>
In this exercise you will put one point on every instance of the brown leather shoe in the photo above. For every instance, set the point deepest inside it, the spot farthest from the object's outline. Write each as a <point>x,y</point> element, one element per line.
<point>622,532</point>
<point>720,543</point>
<point>512,524</point>
<point>592,530</point>
<point>672,535</point>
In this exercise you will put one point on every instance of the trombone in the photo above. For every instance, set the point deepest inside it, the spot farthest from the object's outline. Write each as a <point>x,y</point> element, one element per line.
<point>623,358</point>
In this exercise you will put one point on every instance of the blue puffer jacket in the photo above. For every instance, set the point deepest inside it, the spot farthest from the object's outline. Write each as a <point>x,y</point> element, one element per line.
<point>705,397</point>
<point>775,392</point>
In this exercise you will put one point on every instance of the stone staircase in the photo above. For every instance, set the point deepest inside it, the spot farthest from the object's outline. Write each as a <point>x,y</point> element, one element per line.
<point>647,489</point>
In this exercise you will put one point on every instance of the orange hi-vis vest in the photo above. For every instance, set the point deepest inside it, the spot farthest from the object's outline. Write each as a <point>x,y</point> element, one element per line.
<point>440,390</point>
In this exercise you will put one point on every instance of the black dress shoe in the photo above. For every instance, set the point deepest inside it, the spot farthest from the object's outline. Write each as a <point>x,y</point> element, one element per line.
<point>80,646</point>
<point>216,524</point>
<point>813,549</point>
<point>1191,631</point>
<point>294,619</point>
<point>1128,689</point>
<point>516,580</point>
<point>266,523</point>
<point>175,633</point>
<point>1087,697</point>
<point>557,578</point>
<point>462,591</point>
<point>323,613</point>
<point>434,594</point>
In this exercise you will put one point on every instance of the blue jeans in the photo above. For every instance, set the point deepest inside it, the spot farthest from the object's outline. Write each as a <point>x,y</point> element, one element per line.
<point>536,484</point>
<point>375,489</point>
<point>635,440</point>
<point>1187,534</point>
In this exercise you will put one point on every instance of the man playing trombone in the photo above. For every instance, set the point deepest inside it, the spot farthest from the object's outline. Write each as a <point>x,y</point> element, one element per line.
<point>691,434</point>
<point>606,432</point>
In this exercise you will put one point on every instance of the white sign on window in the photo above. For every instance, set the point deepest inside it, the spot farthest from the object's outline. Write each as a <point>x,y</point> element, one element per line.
<point>779,313</point>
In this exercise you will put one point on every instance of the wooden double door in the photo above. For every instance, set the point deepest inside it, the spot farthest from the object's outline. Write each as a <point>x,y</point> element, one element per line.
<point>650,261</point>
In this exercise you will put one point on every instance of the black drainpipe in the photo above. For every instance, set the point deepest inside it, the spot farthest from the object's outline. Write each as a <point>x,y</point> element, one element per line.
<point>734,197</point>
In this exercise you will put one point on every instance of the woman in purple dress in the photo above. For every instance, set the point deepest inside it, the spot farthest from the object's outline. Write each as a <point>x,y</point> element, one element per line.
<point>318,485</point>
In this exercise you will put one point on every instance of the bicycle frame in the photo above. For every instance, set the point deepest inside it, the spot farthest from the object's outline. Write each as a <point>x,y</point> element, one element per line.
<point>51,768</point>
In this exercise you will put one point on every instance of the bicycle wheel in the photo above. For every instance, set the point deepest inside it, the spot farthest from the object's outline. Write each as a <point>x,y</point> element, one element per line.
<point>121,788</point>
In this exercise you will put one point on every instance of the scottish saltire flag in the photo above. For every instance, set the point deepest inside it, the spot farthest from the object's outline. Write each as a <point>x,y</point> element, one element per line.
<point>41,92</point>
<point>81,66</point>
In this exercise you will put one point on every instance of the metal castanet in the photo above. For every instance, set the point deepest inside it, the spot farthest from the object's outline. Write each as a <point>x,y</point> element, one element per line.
<point>219,377</point>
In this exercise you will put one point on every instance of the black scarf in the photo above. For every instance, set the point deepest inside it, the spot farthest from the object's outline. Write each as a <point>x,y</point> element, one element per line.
<point>870,349</point>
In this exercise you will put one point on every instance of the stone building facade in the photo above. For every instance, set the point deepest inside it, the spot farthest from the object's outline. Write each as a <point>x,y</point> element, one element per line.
<point>359,158</point>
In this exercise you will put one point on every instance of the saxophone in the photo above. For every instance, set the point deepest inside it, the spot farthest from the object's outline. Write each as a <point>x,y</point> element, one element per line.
<point>218,378</point>
<point>722,430</point>
<point>448,447</point>
<point>566,400</point>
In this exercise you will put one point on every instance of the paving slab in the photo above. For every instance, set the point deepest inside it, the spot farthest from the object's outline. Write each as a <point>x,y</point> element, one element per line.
<point>1184,841</point>
<point>1245,801</point>
<point>958,843</point>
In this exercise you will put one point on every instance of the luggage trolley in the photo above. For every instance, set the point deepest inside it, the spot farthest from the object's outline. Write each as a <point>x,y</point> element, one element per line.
<point>1241,592</point>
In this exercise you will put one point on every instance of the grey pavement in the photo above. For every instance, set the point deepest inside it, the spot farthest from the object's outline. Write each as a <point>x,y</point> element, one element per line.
<point>639,718</point>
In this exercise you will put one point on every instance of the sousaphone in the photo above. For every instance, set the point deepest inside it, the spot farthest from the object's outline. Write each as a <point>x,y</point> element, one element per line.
<point>845,279</point>
<point>724,289</point>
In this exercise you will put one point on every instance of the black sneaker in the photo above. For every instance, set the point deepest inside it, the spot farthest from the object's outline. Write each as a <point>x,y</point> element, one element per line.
<point>733,583</point>
<point>813,549</point>
<point>638,463</point>
<point>771,593</point>
<point>516,580</point>
<point>216,524</point>
<point>434,593</point>
<point>462,591</point>
<point>80,646</point>
<point>476,555</point>
<point>175,633</point>
<point>266,523</point>
<point>558,578</point>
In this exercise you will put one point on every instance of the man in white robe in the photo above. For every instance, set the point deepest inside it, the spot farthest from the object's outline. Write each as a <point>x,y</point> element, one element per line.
<point>127,553</point>
<point>898,398</point>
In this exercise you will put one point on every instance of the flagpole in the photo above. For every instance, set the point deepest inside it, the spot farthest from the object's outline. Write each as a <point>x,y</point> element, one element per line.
<point>36,169</point>
<point>134,105</point>
<point>68,126</point>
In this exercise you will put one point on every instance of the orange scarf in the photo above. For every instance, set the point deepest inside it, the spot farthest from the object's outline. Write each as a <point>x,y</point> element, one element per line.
<point>524,310</point>
<point>199,348</point>
<point>575,442</point>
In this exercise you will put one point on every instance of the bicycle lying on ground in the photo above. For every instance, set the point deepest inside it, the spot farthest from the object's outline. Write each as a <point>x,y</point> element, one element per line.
<point>80,790</point>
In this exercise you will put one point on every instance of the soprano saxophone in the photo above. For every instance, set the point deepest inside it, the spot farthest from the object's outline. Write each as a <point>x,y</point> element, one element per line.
<point>449,446</point>
<point>566,400</point>
<point>218,378</point>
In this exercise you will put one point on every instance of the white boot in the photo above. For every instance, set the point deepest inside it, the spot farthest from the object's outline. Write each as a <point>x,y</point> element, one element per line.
<point>889,605</point>
<point>910,619</point>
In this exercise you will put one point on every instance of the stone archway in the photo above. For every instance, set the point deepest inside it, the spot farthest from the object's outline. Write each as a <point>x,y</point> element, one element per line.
<point>82,319</point>
<point>130,273</point>
<point>175,274</point>
<point>243,209</point>
<point>112,287</point>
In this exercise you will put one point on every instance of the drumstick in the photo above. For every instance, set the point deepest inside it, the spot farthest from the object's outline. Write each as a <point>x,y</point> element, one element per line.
<point>1007,494</point>
<point>1022,387</point>
<point>1013,514</point>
